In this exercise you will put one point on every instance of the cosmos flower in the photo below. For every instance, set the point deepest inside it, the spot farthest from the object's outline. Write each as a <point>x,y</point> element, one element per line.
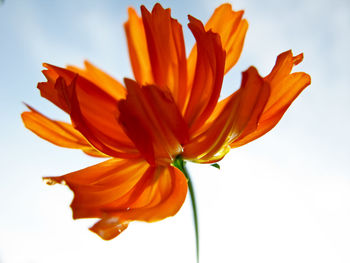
<point>170,111</point>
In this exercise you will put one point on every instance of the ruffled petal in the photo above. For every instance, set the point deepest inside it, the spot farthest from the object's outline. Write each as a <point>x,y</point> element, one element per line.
<point>122,190</point>
<point>55,90</point>
<point>285,88</point>
<point>57,132</point>
<point>232,30</point>
<point>162,197</point>
<point>240,112</point>
<point>109,227</point>
<point>208,75</point>
<point>101,79</point>
<point>166,49</point>
<point>152,120</point>
<point>97,121</point>
<point>99,185</point>
<point>137,44</point>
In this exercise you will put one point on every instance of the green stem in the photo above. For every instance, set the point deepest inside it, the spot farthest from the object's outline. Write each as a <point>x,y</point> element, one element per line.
<point>181,164</point>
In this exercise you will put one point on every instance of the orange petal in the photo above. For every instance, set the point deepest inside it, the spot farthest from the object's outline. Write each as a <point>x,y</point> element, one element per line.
<point>109,227</point>
<point>85,119</point>
<point>137,44</point>
<point>152,120</point>
<point>122,190</point>
<point>97,186</point>
<point>101,79</point>
<point>59,133</point>
<point>55,90</point>
<point>163,197</point>
<point>166,51</point>
<point>282,82</point>
<point>232,30</point>
<point>239,113</point>
<point>285,88</point>
<point>93,112</point>
<point>208,76</point>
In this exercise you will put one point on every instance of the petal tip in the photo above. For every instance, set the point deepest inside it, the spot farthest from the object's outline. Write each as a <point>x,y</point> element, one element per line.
<point>54,180</point>
<point>298,58</point>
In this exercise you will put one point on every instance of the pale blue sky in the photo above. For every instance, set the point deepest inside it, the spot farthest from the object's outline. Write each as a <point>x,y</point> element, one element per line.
<point>283,198</point>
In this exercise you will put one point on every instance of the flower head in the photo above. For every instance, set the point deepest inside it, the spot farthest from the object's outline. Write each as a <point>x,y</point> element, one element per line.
<point>170,109</point>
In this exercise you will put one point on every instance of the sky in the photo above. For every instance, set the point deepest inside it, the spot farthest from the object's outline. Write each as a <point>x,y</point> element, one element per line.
<point>282,198</point>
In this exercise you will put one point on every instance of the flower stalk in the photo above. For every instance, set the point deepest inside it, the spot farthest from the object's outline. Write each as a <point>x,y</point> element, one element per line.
<point>181,165</point>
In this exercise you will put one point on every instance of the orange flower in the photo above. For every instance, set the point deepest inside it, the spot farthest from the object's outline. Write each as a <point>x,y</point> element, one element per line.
<point>170,111</point>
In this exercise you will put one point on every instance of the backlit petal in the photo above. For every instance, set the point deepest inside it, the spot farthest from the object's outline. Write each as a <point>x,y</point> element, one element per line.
<point>232,30</point>
<point>56,90</point>
<point>137,44</point>
<point>57,132</point>
<point>166,51</point>
<point>152,120</point>
<point>208,75</point>
<point>165,199</point>
<point>101,79</point>
<point>97,186</point>
<point>285,87</point>
<point>240,111</point>
<point>109,227</point>
<point>97,121</point>
<point>162,197</point>
<point>119,191</point>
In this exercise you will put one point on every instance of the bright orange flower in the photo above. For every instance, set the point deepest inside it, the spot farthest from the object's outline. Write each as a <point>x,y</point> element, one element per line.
<point>171,109</point>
